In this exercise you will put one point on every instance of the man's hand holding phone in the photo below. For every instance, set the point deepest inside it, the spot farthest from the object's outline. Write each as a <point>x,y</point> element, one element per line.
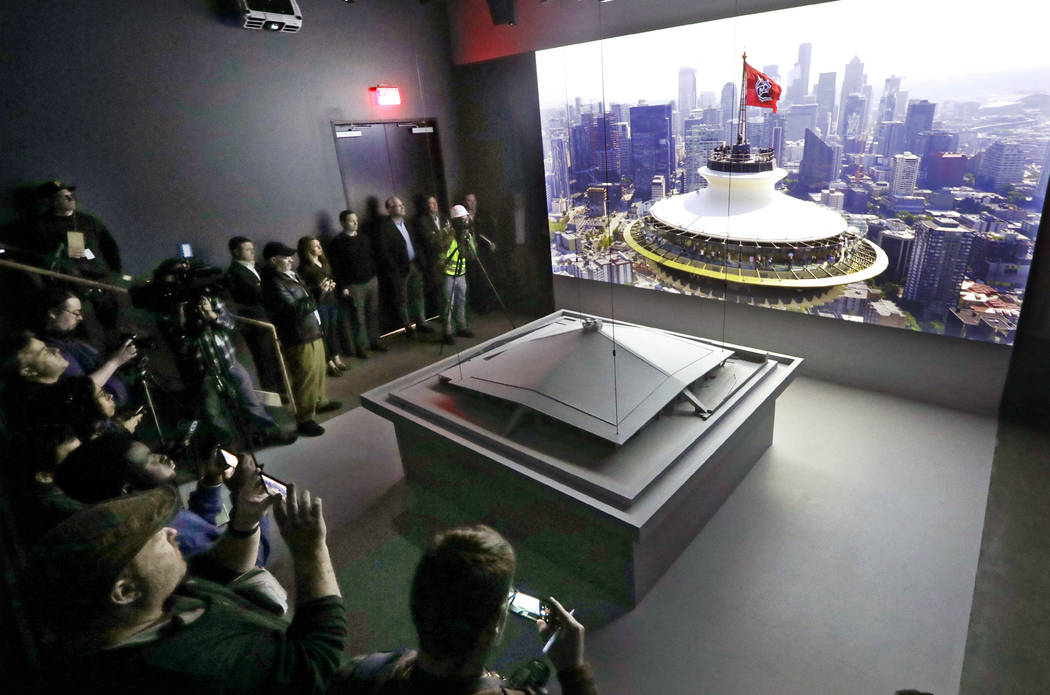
<point>566,651</point>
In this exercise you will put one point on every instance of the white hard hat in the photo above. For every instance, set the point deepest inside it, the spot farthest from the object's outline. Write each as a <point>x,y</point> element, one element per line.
<point>459,211</point>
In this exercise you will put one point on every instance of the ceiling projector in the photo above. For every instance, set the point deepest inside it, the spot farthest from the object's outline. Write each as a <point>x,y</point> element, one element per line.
<point>271,15</point>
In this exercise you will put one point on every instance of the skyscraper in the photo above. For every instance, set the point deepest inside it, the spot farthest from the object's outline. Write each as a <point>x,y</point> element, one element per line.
<point>819,163</point>
<point>701,140</point>
<point>799,118</point>
<point>904,172</point>
<point>686,95</point>
<point>890,137</point>
<point>853,121</point>
<point>1001,164</point>
<point>798,89</point>
<point>888,102</point>
<point>1044,177</point>
<point>730,106</point>
<point>918,119</point>
<point>651,147</point>
<point>825,101</point>
<point>852,83</point>
<point>936,268</point>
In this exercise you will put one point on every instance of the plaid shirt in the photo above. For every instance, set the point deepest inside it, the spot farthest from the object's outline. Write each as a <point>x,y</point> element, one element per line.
<point>213,344</point>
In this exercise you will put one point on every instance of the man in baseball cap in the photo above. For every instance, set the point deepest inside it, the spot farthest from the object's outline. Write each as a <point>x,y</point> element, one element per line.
<point>112,583</point>
<point>294,313</point>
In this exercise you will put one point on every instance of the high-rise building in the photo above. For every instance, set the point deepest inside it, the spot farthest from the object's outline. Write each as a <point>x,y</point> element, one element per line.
<point>888,102</point>
<point>854,120</point>
<point>1001,164</point>
<point>819,163</point>
<point>825,101</point>
<point>730,106</point>
<point>918,119</point>
<point>606,148</point>
<point>853,82</point>
<point>904,172</point>
<point>798,89</point>
<point>651,147</point>
<point>701,140</point>
<point>945,169</point>
<point>890,137</point>
<point>686,95</point>
<point>560,164</point>
<point>937,267</point>
<point>658,188</point>
<point>1044,178</point>
<point>799,118</point>
<point>773,72</point>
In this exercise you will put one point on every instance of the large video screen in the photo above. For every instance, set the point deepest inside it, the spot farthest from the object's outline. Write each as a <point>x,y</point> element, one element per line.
<point>898,180</point>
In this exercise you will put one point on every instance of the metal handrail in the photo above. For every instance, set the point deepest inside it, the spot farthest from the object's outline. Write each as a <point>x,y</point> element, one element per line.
<point>272,330</point>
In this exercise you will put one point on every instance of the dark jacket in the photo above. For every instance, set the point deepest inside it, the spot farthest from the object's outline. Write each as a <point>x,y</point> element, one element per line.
<point>291,308</point>
<point>393,252</point>
<point>246,291</point>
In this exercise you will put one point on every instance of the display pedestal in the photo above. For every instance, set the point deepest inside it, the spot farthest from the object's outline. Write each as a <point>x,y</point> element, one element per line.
<point>614,515</point>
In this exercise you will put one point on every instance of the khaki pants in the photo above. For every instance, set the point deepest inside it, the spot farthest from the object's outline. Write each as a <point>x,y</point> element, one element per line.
<point>306,370</point>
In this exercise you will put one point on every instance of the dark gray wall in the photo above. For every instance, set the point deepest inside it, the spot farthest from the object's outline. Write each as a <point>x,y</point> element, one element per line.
<point>179,126</point>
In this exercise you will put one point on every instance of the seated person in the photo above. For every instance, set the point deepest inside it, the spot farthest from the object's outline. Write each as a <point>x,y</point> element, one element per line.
<point>61,316</point>
<point>39,504</point>
<point>459,601</point>
<point>33,372</point>
<point>114,464</point>
<point>114,588</point>
<point>91,410</point>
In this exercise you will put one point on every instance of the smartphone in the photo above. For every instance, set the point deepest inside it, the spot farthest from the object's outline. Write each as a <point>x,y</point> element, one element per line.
<point>273,485</point>
<point>529,607</point>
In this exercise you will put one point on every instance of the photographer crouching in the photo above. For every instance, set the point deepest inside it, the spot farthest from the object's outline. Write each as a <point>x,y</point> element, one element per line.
<point>198,327</point>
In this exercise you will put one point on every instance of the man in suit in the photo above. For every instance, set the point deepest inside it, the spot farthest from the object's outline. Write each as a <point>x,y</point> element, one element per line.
<point>404,259</point>
<point>428,228</point>
<point>245,285</point>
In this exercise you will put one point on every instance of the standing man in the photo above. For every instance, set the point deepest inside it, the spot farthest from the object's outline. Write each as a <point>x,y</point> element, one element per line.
<point>484,227</point>
<point>299,328</point>
<point>245,285</point>
<point>456,248</point>
<point>350,254</point>
<point>79,244</point>
<point>428,228</point>
<point>404,259</point>
<point>73,238</point>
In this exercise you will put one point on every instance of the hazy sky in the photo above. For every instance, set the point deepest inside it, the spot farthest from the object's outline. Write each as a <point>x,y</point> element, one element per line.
<point>942,50</point>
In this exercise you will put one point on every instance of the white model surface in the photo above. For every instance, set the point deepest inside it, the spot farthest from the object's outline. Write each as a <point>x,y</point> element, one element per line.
<point>609,382</point>
<point>613,515</point>
<point>747,207</point>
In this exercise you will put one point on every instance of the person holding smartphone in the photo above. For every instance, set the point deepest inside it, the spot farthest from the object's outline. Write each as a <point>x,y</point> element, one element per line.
<point>459,601</point>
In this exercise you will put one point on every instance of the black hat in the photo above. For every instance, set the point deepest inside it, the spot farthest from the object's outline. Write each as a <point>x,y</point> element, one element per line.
<point>82,557</point>
<point>276,248</point>
<point>46,190</point>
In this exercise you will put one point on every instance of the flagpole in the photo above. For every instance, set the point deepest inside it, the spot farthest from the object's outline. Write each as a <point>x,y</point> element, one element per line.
<point>741,128</point>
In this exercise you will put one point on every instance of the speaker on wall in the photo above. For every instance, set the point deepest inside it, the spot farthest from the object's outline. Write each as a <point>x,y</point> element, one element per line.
<point>503,12</point>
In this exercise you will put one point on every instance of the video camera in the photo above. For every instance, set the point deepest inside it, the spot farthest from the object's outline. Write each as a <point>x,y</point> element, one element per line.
<point>174,282</point>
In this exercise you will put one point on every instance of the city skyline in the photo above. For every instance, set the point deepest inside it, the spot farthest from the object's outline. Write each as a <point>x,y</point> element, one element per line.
<point>610,70</point>
<point>935,178</point>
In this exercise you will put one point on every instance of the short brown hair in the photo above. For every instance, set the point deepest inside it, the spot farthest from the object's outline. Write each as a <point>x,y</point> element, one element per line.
<point>460,586</point>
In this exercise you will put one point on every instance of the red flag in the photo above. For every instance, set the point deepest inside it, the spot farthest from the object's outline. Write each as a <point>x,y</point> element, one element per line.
<point>761,89</point>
